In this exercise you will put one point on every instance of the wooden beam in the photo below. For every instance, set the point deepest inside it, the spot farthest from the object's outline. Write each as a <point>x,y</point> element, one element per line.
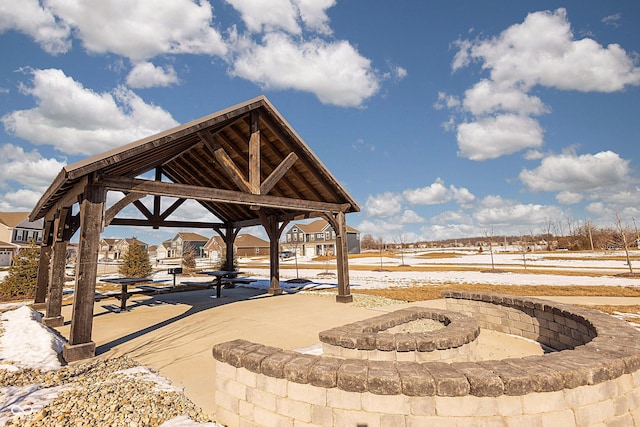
<point>119,205</point>
<point>226,162</point>
<point>171,209</point>
<point>278,173</point>
<point>143,209</point>
<point>216,195</point>
<point>71,196</point>
<point>137,222</point>
<point>254,154</point>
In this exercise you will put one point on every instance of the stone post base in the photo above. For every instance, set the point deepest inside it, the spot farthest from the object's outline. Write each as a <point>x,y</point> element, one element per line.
<point>277,291</point>
<point>344,298</point>
<point>39,306</point>
<point>52,322</point>
<point>86,350</point>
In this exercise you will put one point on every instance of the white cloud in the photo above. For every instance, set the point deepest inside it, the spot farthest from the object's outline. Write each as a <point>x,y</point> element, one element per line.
<point>284,15</point>
<point>540,51</point>
<point>77,120</point>
<point>449,231</point>
<point>446,101</point>
<point>509,216</point>
<point>334,71</point>
<point>35,20</point>
<point>568,198</point>
<point>449,217</point>
<point>314,14</point>
<point>486,97</point>
<point>29,169</point>
<point>437,193</point>
<point>145,75</point>
<point>570,172</point>
<point>433,194</point>
<point>386,204</point>
<point>410,217</point>
<point>268,16</point>
<point>142,29</point>
<point>22,199</point>
<point>379,228</point>
<point>612,20</point>
<point>492,137</point>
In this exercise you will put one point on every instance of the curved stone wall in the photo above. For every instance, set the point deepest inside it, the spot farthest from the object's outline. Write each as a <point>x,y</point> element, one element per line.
<point>592,380</point>
<point>370,339</point>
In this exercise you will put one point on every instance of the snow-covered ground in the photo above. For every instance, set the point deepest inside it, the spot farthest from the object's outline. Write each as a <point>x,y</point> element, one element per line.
<point>26,343</point>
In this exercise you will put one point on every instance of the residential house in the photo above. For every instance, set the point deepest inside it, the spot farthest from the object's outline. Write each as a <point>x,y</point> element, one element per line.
<point>153,251</point>
<point>162,251</point>
<point>318,238</point>
<point>183,241</point>
<point>245,245</point>
<point>107,249</point>
<point>16,232</point>
<point>113,249</point>
<point>123,245</point>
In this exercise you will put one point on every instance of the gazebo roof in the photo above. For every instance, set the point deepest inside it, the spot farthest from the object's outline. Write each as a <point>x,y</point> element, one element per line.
<point>213,160</point>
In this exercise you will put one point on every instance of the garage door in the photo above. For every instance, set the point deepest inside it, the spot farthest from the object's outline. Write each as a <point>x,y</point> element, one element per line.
<point>5,258</point>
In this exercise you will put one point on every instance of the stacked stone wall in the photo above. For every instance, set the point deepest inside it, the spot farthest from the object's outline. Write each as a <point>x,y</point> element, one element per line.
<point>593,379</point>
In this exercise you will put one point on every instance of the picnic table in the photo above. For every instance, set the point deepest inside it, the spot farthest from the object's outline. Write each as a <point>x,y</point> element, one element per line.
<point>222,277</point>
<point>124,282</point>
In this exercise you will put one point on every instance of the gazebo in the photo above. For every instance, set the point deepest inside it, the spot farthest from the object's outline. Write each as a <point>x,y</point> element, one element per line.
<point>245,165</point>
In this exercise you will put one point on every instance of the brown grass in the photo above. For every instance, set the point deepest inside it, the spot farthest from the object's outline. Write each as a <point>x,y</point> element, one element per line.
<point>422,293</point>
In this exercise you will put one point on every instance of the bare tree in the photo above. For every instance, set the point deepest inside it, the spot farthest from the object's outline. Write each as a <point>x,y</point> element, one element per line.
<point>623,232</point>
<point>401,240</point>
<point>489,236</point>
<point>524,248</point>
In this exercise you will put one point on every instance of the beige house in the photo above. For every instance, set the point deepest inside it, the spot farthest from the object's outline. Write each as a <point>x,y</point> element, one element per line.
<point>318,238</point>
<point>16,232</point>
<point>113,249</point>
<point>177,245</point>
<point>245,245</point>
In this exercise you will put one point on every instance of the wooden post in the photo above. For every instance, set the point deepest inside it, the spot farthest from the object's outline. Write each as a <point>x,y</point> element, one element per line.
<point>43,266</point>
<point>80,345</point>
<point>270,224</point>
<point>53,315</point>
<point>229,240</point>
<point>342,256</point>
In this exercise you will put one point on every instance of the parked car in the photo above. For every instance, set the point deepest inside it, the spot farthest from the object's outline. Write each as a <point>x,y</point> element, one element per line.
<point>286,254</point>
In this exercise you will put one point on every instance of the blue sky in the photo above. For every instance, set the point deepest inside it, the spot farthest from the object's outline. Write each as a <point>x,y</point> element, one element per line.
<point>443,119</point>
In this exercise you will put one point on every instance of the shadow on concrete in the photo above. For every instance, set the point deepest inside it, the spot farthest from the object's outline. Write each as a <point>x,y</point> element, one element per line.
<point>199,300</point>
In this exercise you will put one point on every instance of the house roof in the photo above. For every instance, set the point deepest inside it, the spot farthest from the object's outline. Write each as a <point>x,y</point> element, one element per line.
<point>190,237</point>
<point>6,245</point>
<point>250,241</point>
<point>215,242</point>
<point>319,226</point>
<point>11,219</point>
<point>132,241</point>
<point>210,160</point>
<point>245,240</point>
